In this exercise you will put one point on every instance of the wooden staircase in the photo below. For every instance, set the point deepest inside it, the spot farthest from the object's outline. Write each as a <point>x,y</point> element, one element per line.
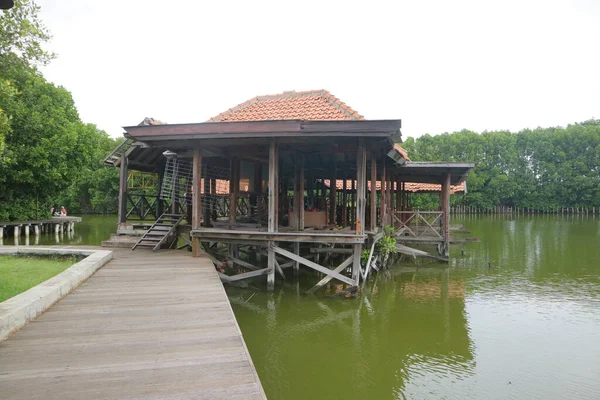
<point>114,158</point>
<point>158,233</point>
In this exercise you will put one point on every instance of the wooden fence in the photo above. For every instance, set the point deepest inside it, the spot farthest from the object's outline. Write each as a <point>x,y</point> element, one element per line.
<point>518,210</point>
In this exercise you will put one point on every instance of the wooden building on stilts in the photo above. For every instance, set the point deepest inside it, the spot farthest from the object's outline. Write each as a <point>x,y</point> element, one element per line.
<point>256,179</point>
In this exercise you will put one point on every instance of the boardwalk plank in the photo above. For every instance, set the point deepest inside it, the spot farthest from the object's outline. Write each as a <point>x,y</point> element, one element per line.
<point>146,326</point>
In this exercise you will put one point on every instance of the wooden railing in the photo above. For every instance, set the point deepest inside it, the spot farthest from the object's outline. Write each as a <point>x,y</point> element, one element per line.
<point>418,223</point>
<point>149,207</point>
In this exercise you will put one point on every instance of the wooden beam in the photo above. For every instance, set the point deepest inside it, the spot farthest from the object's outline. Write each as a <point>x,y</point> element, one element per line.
<point>382,192</point>
<point>312,265</point>
<point>250,274</point>
<point>325,280</point>
<point>206,191</point>
<point>273,225</point>
<point>196,199</point>
<point>446,213</point>
<point>345,201</point>
<point>243,263</point>
<point>373,204</point>
<point>279,269</point>
<point>301,192</point>
<point>234,187</point>
<point>332,196</point>
<point>123,191</point>
<point>361,183</point>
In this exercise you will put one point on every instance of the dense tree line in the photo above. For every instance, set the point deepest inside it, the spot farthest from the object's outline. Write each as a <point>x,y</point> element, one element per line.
<point>541,169</point>
<point>47,154</point>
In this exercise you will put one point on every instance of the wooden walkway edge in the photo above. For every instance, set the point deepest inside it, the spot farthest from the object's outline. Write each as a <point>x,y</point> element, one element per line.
<point>148,325</point>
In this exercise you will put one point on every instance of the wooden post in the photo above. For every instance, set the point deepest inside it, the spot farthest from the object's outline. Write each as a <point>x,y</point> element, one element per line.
<point>196,199</point>
<point>205,191</point>
<point>446,214</point>
<point>26,230</point>
<point>361,183</point>
<point>353,203</point>
<point>159,203</point>
<point>388,195</point>
<point>373,192</point>
<point>234,184</point>
<point>345,201</point>
<point>332,193</point>
<point>174,194</point>
<point>122,211</point>
<point>298,203</point>
<point>398,194</point>
<point>214,198</point>
<point>1,232</point>
<point>383,192</point>
<point>234,187</point>
<point>257,189</point>
<point>273,208</point>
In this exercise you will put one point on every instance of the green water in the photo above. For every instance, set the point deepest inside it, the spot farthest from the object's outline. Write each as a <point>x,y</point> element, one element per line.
<point>514,316</point>
<point>92,230</point>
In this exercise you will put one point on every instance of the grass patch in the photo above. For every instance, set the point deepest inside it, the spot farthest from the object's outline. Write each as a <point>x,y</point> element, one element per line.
<point>19,273</point>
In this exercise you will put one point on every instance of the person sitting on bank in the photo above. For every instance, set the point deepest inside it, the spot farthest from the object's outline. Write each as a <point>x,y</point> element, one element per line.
<point>63,211</point>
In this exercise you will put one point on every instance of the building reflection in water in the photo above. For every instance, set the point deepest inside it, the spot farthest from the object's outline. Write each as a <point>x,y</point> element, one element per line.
<point>407,328</point>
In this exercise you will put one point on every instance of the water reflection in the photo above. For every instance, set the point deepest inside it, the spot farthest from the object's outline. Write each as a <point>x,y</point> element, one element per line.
<point>406,324</point>
<point>514,316</point>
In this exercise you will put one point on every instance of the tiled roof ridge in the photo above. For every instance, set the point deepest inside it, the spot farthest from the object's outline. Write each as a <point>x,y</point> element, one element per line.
<point>330,98</point>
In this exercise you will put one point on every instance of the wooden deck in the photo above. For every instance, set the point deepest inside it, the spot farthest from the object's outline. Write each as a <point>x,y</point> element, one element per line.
<point>146,326</point>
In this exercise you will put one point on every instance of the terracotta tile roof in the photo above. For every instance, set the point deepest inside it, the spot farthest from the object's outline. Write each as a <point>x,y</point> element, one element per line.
<point>312,105</point>
<point>402,151</point>
<point>413,187</point>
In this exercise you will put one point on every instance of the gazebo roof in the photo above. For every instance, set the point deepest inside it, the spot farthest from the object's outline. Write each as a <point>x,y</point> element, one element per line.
<point>312,105</point>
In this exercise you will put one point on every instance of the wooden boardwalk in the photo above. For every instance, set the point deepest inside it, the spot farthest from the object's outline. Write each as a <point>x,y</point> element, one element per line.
<point>146,326</point>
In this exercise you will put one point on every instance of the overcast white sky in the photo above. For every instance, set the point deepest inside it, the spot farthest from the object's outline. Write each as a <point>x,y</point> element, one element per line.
<point>438,65</point>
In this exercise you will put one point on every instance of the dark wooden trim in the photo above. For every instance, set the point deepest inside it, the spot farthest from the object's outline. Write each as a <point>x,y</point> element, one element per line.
<point>234,188</point>
<point>332,195</point>
<point>213,234</point>
<point>212,130</point>
<point>196,199</point>
<point>122,211</point>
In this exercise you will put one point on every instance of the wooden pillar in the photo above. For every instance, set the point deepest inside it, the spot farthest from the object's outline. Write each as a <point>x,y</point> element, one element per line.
<point>332,193</point>
<point>298,203</point>
<point>214,198</point>
<point>159,203</point>
<point>373,192</point>
<point>205,191</point>
<point>353,203</point>
<point>388,195</point>
<point>273,208</point>
<point>257,189</point>
<point>345,201</point>
<point>234,186</point>
<point>196,199</point>
<point>361,183</point>
<point>174,180</point>
<point>446,214</point>
<point>383,192</point>
<point>122,211</point>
